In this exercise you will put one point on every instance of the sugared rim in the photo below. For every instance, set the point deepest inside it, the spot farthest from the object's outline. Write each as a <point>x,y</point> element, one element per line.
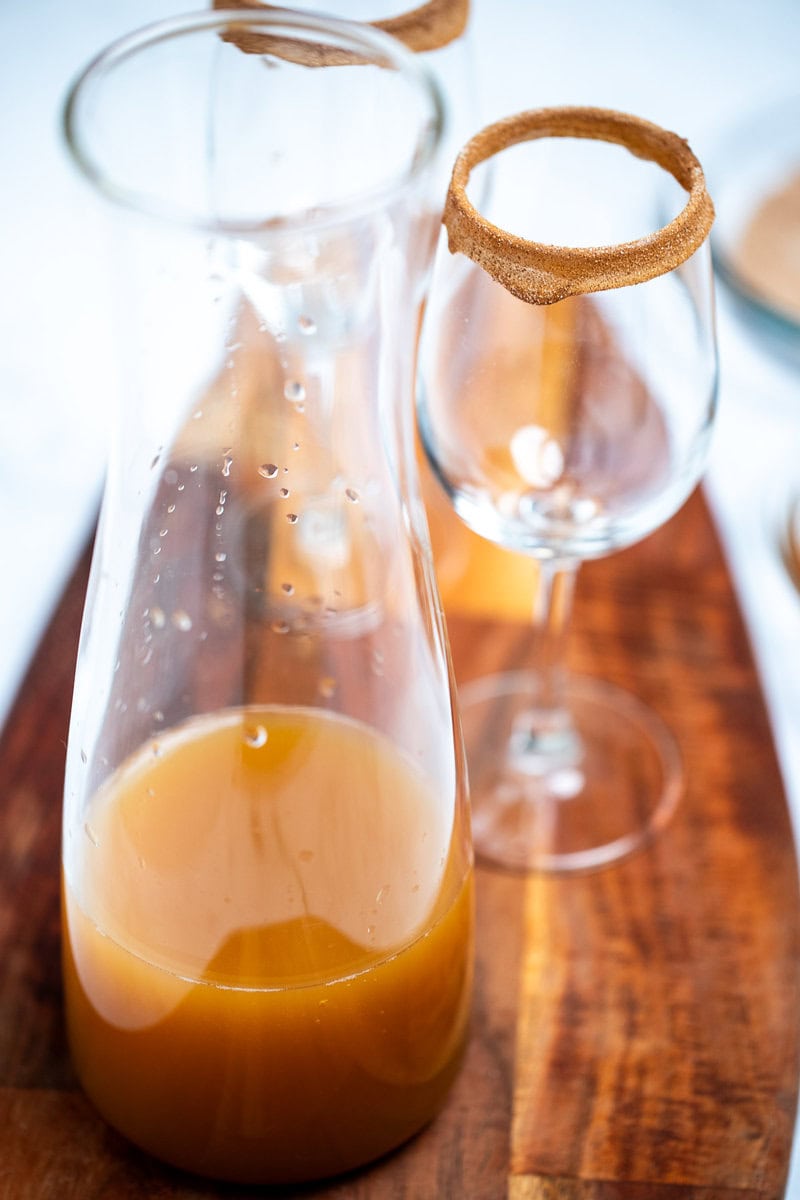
<point>543,274</point>
<point>430,26</point>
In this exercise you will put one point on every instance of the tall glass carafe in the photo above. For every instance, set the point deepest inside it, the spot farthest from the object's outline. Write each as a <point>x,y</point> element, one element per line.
<point>266,855</point>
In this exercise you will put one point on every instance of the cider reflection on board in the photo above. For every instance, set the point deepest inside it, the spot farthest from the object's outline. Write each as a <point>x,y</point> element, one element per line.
<point>266,978</point>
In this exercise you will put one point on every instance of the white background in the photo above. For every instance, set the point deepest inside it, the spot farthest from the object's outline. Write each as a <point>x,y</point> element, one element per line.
<point>695,66</point>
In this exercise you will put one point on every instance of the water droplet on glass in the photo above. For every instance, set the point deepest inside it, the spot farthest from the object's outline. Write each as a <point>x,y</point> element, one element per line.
<point>256,736</point>
<point>227,463</point>
<point>158,715</point>
<point>292,518</point>
<point>197,415</point>
<point>90,833</point>
<point>163,532</point>
<point>154,463</point>
<point>181,487</point>
<point>371,931</point>
<point>193,468</point>
<point>280,626</point>
<point>352,495</point>
<point>220,556</point>
<point>288,588</point>
<point>181,620</point>
<point>383,893</point>
<point>84,758</point>
<point>293,390</point>
<point>158,617</point>
<point>268,470</point>
<point>306,325</point>
<point>170,509</point>
<point>327,687</point>
<point>284,492</point>
<point>295,445</point>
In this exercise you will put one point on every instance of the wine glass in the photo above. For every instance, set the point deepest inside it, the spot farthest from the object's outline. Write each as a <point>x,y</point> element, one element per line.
<point>566,396</point>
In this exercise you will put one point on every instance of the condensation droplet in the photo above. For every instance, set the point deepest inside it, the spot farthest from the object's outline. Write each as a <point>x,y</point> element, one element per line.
<point>181,487</point>
<point>306,325</point>
<point>268,470</point>
<point>84,758</point>
<point>155,461</point>
<point>158,715</point>
<point>158,618</point>
<point>280,626</point>
<point>327,687</point>
<point>197,415</point>
<point>292,518</point>
<point>383,893</point>
<point>295,445</point>
<point>162,533</point>
<point>284,492</point>
<point>256,736</point>
<point>293,390</point>
<point>288,588</point>
<point>181,620</point>
<point>170,509</point>
<point>90,833</point>
<point>227,463</point>
<point>352,495</point>
<point>193,468</point>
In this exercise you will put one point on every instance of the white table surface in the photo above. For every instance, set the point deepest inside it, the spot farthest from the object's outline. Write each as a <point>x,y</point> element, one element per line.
<point>693,65</point>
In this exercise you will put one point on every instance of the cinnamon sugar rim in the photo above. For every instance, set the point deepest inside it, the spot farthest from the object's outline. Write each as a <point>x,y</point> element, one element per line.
<point>543,274</point>
<point>430,26</point>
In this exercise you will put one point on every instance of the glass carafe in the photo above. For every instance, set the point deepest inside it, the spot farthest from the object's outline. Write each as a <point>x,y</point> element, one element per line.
<point>266,855</point>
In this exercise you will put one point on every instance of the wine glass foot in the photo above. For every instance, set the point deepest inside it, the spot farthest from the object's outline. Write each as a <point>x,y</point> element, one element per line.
<point>585,792</point>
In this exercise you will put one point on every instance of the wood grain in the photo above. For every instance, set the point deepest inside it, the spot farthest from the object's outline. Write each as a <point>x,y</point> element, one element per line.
<point>635,1031</point>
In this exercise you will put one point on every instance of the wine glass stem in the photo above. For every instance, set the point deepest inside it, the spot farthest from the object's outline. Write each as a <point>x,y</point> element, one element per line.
<point>544,738</point>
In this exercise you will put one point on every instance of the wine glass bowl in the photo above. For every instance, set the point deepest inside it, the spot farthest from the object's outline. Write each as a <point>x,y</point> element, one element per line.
<point>565,430</point>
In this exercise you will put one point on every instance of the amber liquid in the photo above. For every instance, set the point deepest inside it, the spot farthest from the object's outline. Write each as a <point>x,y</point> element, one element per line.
<point>268,947</point>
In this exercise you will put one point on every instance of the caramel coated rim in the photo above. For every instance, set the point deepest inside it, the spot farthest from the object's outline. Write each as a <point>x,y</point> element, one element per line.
<point>543,274</point>
<point>428,27</point>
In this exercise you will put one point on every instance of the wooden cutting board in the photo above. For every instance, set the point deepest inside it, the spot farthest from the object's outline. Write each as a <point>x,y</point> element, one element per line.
<point>635,1031</point>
